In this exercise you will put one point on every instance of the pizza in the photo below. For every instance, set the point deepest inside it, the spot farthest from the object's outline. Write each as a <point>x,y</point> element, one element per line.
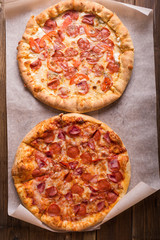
<point>70,171</point>
<point>76,56</point>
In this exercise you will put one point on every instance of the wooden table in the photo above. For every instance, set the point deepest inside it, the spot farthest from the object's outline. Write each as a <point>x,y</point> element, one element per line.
<point>139,222</point>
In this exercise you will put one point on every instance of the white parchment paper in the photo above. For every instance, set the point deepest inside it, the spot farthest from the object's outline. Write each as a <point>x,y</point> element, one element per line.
<point>133,116</point>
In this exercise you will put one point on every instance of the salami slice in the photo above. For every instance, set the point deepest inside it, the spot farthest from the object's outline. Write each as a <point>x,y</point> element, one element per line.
<point>36,64</point>
<point>74,15</point>
<point>72,30</point>
<point>63,92</point>
<point>49,25</point>
<point>53,210</point>
<point>106,84</point>
<point>98,70</point>
<point>113,66</point>
<point>51,191</point>
<point>86,157</point>
<point>100,206</point>
<point>54,84</point>
<point>76,189</point>
<point>115,177</point>
<point>111,197</point>
<point>41,187</point>
<point>83,87</point>
<point>88,19</point>
<point>83,44</point>
<point>55,148</point>
<point>73,152</point>
<point>70,52</point>
<point>103,185</point>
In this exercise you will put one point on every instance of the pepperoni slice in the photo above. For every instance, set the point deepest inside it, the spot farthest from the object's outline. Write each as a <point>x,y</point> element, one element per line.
<point>78,78</point>
<point>70,72</point>
<point>70,52</point>
<point>36,64</point>
<point>74,131</point>
<point>87,177</point>
<point>111,197</point>
<point>68,177</point>
<point>92,57</point>
<point>54,210</point>
<point>76,63</point>
<point>64,164</point>
<point>37,173</point>
<point>73,165</point>
<point>83,44</point>
<point>103,185</point>
<point>106,84</point>
<point>53,66</point>
<point>115,177</point>
<point>114,165</point>
<point>113,66</point>
<point>83,87</point>
<point>91,31</point>
<point>49,138</point>
<point>98,70</point>
<point>78,171</point>
<point>51,191</point>
<point>64,65</point>
<point>39,156</point>
<point>104,34</point>
<point>84,55</point>
<point>106,137</point>
<point>80,210</point>
<point>73,152</point>
<point>54,84</point>
<point>100,48</point>
<point>91,144</point>
<point>68,196</point>
<point>88,19</point>
<point>60,35</point>
<point>109,43</point>
<point>58,55</point>
<point>66,23</point>
<point>63,92</point>
<point>86,157</point>
<point>41,187</point>
<point>58,45</point>
<point>34,45</point>
<point>61,135</point>
<point>72,30</point>
<point>50,25</point>
<point>100,206</point>
<point>77,189</point>
<point>72,14</point>
<point>81,30</point>
<point>109,55</point>
<point>55,148</point>
<point>96,135</point>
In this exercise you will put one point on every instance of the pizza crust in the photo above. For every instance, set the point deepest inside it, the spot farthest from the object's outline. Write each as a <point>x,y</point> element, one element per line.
<point>25,149</point>
<point>78,103</point>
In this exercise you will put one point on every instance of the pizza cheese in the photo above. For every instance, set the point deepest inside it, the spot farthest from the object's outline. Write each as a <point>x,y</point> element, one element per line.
<point>70,170</point>
<point>76,56</point>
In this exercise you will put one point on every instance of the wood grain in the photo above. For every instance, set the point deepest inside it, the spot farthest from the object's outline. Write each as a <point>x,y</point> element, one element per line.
<point>137,223</point>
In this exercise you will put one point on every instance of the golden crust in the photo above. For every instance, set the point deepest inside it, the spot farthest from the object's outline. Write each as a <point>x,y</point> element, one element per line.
<point>78,103</point>
<point>25,188</point>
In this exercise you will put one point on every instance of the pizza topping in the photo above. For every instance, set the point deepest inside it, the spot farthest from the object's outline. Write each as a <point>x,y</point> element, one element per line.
<point>54,84</point>
<point>109,43</point>
<point>54,210</point>
<point>103,185</point>
<point>83,44</point>
<point>78,78</point>
<point>68,196</point>
<point>68,177</point>
<point>88,19</point>
<point>60,35</point>
<point>73,164</point>
<point>86,157</point>
<point>83,87</point>
<point>72,30</point>
<point>87,177</point>
<point>50,25</point>
<point>64,65</point>
<point>70,72</point>
<point>55,148</point>
<point>64,164</point>
<point>73,152</point>
<point>74,131</point>
<point>61,135</point>
<point>96,135</point>
<point>37,173</point>
<point>72,14</point>
<point>92,57</point>
<point>80,210</point>
<point>114,165</point>
<point>104,34</point>
<point>58,45</point>
<point>76,189</point>
<point>100,206</point>
<point>106,84</point>
<point>91,144</point>
<point>63,92</point>
<point>98,70</point>
<point>106,137</point>
<point>53,66</point>
<point>70,52</point>
<point>42,42</point>
<point>78,171</point>
<point>111,197</point>
<point>113,66</point>
<point>34,45</point>
<point>91,31</point>
<point>115,177</point>
<point>58,55</point>
<point>36,64</point>
<point>41,187</point>
<point>51,191</point>
<point>66,23</point>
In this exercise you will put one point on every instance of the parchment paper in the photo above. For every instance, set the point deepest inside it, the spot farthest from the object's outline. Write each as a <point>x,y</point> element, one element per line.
<point>133,116</point>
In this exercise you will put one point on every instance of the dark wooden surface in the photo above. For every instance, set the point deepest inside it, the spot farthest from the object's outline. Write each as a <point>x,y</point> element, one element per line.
<point>137,223</point>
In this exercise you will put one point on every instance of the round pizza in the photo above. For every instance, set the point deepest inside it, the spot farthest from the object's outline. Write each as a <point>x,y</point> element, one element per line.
<point>70,171</point>
<point>76,56</point>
